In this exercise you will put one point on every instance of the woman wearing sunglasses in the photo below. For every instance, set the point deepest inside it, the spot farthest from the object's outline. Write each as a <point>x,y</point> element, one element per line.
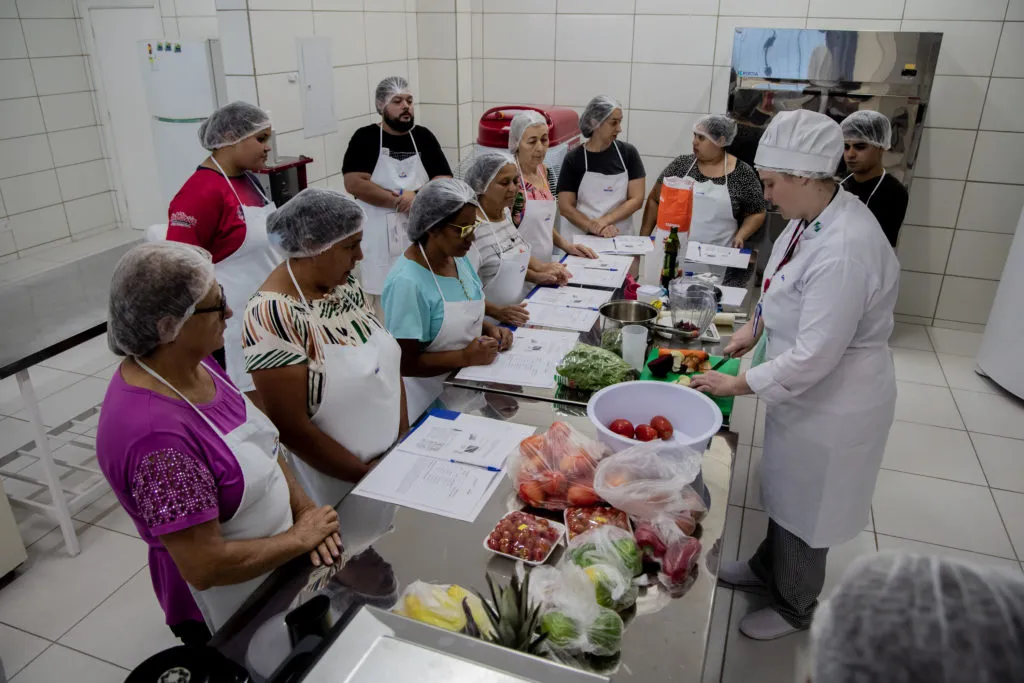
<point>433,300</point>
<point>188,456</point>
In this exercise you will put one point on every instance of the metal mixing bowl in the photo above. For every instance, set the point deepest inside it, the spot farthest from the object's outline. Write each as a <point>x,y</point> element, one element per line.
<point>621,312</point>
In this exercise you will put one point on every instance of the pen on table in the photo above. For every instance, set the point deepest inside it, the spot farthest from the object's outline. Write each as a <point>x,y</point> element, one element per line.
<point>473,464</point>
<point>598,268</point>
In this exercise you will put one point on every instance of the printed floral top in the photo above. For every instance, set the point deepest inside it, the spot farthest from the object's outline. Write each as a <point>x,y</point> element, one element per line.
<point>533,192</point>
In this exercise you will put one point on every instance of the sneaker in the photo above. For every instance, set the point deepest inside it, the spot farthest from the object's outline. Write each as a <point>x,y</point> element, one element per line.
<point>739,573</point>
<point>766,624</point>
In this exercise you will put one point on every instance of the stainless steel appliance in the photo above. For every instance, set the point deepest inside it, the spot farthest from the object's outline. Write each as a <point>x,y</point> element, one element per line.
<point>835,73</point>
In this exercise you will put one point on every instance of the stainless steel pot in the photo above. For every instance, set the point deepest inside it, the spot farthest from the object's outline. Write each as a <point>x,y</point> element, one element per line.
<point>621,312</point>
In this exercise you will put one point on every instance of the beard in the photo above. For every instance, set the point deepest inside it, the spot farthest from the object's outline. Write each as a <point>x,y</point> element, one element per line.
<point>399,125</point>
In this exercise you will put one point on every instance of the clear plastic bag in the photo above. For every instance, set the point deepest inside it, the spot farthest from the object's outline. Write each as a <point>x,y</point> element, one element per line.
<point>662,542</point>
<point>441,605</point>
<point>573,622</point>
<point>610,558</point>
<point>556,469</point>
<point>652,480</point>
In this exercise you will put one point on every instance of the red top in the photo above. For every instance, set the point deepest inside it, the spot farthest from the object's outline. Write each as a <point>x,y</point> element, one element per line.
<point>206,213</point>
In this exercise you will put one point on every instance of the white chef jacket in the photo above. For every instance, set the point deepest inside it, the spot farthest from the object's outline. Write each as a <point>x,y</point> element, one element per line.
<point>828,381</point>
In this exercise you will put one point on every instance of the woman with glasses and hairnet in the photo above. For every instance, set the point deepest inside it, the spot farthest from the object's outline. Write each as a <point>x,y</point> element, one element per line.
<point>601,184</point>
<point>867,135</point>
<point>823,367</point>
<point>322,362</point>
<point>433,298</point>
<point>919,619</point>
<point>192,461</point>
<point>728,203</point>
<point>223,209</point>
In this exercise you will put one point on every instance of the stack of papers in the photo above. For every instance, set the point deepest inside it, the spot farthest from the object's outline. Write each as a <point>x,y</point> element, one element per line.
<point>449,465</point>
<point>531,361</point>
<point>698,252</point>
<point>573,297</point>
<point>607,271</point>
<point>632,245</point>
<point>560,317</point>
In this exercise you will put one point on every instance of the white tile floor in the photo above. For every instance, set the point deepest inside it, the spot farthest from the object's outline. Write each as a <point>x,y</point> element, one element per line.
<point>952,483</point>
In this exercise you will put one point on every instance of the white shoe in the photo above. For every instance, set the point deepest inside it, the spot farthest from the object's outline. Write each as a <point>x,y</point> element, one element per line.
<point>766,624</point>
<point>739,573</point>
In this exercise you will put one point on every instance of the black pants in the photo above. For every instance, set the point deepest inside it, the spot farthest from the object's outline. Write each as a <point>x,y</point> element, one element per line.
<point>218,356</point>
<point>793,571</point>
<point>191,632</point>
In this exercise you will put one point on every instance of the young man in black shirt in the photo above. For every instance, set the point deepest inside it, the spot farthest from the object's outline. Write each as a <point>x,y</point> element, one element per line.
<point>867,135</point>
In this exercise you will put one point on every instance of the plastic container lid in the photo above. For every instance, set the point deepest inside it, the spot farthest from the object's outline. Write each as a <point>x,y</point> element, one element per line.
<point>563,124</point>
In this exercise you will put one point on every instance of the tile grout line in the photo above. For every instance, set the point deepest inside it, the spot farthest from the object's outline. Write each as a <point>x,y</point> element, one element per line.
<point>948,547</point>
<point>86,615</point>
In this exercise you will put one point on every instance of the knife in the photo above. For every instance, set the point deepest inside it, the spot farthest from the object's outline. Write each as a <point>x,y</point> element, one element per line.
<point>720,363</point>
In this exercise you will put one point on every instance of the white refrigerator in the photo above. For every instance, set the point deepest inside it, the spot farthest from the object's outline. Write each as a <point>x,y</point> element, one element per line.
<point>999,356</point>
<point>184,84</point>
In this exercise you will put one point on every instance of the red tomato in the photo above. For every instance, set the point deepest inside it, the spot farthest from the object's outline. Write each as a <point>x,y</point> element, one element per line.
<point>646,433</point>
<point>553,483</point>
<point>531,492</point>
<point>622,428</point>
<point>583,496</point>
<point>661,424</point>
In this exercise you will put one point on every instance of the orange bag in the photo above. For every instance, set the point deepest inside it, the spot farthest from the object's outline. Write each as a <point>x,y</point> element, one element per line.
<point>675,209</point>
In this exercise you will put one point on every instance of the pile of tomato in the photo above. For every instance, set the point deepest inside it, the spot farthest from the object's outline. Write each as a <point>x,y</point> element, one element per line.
<point>524,536</point>
<point>659,428</point>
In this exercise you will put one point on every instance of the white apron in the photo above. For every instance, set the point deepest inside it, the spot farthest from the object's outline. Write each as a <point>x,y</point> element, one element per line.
<point>713,221</point>
<point>241,274</point>
<point>537,226</point>
<point>823,450</point>
<point>385,237</point>
<point>600,193</point>
<point>361,388</point>
<point>265,509</point>
<point>506,287</point>
<point>463,322</point>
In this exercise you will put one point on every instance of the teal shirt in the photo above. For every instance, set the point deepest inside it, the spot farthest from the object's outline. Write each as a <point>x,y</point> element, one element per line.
<point>413,308</point>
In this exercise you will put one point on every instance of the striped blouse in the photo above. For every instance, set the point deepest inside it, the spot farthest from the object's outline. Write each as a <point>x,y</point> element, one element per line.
<point>277,331</point>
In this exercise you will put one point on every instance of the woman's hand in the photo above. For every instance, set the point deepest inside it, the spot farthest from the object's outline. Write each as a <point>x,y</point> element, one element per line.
<point>326,552</point>
<point>502,335</point>
<point>481,351</point>
<point>719,384</point>
<point>551,274</point>
<point>314,525</point>
<point>737,241</point>
<point>581,251</point>
<point>513,315</point>
<point>404,202</point>
<point>602,227</point>
<point>742,341</point>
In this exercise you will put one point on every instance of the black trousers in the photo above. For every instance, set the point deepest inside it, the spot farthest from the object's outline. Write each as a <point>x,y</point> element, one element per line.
<point>192,632</point>
<point>793,571</point>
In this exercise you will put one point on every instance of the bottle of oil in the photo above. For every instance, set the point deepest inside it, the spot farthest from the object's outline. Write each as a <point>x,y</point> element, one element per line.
<point>671,262</point>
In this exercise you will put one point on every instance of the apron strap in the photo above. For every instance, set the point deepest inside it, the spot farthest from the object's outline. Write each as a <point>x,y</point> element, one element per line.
<point>288,266</point>
<point>725,168</point>
<point>621,160</point>
<point>230,185</point>
<point>436,281</point>
<point>192,405</point>
<point>380,144</point>
<point>867,202</point>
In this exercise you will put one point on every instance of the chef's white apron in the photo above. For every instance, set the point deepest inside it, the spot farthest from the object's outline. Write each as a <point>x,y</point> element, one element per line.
<point>713,221</point>
<point>265,509</point>
<point>361,410</point>
<point>537,225</point>
<point>600,193</point>
<point>506,287</point>
<point>823,449</point>
<point>463,322</point>
<point>241,274</point>
<point>385,235</point>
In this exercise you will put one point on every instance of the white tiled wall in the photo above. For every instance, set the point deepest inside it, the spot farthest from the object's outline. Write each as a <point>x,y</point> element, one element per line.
<point>54,181</point>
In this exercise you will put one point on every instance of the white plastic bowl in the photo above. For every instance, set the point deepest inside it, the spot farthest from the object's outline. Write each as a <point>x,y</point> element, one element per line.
<point>695,418</point>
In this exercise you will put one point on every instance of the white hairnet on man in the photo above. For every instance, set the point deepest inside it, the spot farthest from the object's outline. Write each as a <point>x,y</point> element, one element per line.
<point>436,201</point>
<point>596,112</point>
<point>917,619</point>
<point>520,122</point>
<point>718,128</point>
<point>313,221</point>
<point>388,88</point>
<point>801,143</point>
<point>232,123</point>
<point>868,126</point>
<point>484,169</point>
<point>154,289</point>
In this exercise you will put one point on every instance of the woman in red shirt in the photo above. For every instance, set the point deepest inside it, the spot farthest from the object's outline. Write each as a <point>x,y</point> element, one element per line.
<point>223,208</point>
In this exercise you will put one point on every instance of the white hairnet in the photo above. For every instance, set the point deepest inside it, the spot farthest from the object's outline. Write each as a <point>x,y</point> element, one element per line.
<point>718,128</point>
<point>520,122</point>
<point>484,168</point>
<point>154,289</point>
<point>436,201</point>
<point>232,123</point>
<point>594,114</point>
<point>388,88</point>
<point>803,143</point>
<point>915,619</point>
<point>868,126</point>
<point>313,221</point>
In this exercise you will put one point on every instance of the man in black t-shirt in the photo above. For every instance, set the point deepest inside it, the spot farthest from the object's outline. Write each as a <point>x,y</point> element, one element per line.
<point>867,135</point>
<point>384,165</point>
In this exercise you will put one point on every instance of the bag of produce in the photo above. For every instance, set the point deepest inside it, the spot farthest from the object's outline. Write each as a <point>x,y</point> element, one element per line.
<point>610,558</point>
<point>592,368</point>
<point>661,541</point>
<point>442,606</point>
<point>556,469</point>
<point>573,622</point>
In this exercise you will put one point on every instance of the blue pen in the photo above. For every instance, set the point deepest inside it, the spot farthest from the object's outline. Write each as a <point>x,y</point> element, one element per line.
<point>473,464</point>
<point>599,268</point>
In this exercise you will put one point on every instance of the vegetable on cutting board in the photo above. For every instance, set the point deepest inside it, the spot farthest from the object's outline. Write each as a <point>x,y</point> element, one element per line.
<point>693,360</point>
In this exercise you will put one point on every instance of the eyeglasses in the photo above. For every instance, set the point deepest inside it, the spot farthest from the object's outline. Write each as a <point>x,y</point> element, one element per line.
<point>219,308</point>
<point>465,230</point>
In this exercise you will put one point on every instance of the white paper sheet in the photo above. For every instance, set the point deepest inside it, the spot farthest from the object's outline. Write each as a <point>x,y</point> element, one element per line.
<point>561,317</point>
<point>468,439</point>
<point>698,252</point>
<point>623,244</point>
<point>605,271</point>
<point>733,296</point>
<point>573,297</point>
<point>531,361</point>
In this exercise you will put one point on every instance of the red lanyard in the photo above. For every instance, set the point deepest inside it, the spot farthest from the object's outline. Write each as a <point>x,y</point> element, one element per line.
<point>790,251</point>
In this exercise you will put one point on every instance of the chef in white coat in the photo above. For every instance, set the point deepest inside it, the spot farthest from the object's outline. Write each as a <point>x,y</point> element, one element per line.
<point>601,184</point>
<point>825,316</point>
<point>324,366</point>
<point>433,298</point>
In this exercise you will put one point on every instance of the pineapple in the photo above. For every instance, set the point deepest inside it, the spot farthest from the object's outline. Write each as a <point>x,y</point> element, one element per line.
<point>514,619</point>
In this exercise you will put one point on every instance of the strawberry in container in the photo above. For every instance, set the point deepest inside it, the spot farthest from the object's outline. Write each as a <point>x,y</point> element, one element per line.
<point>555,470</point>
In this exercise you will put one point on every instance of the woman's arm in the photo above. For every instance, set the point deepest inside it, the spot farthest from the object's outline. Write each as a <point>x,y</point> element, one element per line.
<point>302,504</point>
<point>419,363</point>
<point>634,200</point>
<point>651,210</point>
<point>748,227</point>
<point>567,207</point>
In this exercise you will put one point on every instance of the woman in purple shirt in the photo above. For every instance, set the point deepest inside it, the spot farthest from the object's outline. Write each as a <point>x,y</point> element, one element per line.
<point>188,456</point>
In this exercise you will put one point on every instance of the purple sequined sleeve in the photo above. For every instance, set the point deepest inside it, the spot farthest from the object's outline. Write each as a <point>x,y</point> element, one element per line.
<point>173,491</point>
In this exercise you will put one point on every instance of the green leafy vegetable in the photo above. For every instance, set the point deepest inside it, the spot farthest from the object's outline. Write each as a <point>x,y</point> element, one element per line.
<point>611,340</point>
<point>605,632</point>
<point>592,368</point>
<point>561,629</point>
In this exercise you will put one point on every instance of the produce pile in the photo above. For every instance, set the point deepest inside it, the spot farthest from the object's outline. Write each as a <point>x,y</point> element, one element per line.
<point>556,469</point>
<point>592,367</point>
<point>522,536</point>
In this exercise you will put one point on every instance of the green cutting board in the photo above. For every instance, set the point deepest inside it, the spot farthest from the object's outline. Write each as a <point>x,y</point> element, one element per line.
<point>731,367</point>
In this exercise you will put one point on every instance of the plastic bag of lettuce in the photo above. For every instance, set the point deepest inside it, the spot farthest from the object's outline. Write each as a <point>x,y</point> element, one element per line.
<point>592,368</point>
<point>573,622</point>
<point>610,558</point>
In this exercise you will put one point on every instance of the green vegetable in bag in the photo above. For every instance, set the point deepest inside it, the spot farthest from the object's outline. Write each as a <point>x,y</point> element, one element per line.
<point>605,633</point>
<point>629,553</point>
<point>561,629</point>
<point>611,340</point>
<point>592,368</point>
